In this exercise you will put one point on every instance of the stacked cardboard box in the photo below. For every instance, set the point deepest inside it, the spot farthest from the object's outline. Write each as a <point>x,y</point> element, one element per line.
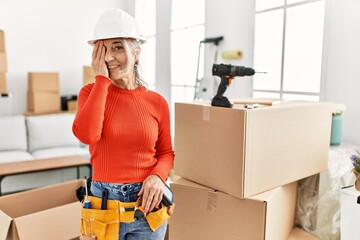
<point>43,92</point>
<point>3,63</point>
<point>51,212</point>
<point>242,167</point>
<point>88,75</point>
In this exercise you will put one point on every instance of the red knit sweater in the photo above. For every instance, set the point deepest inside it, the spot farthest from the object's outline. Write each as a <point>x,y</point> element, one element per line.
<point>128,132</point>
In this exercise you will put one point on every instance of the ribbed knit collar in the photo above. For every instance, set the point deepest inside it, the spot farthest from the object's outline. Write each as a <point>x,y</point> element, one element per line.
<point>127,91</point>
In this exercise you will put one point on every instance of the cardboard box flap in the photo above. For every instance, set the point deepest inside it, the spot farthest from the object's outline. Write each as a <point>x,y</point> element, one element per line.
<point>184,182</point>
<point>5,222</point>
<point>33,200</point>
<point>261,101</point>
<point>42,225</point>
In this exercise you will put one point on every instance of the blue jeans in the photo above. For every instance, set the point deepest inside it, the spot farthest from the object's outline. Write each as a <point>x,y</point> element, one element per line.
<point>137,230</point>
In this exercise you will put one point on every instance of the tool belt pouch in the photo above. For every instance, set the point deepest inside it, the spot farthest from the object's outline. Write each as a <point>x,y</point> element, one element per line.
<point>156,219</point>
<point>104,224</point>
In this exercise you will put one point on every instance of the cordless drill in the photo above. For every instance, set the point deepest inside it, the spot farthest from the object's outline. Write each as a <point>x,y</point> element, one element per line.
<point>227,73</point>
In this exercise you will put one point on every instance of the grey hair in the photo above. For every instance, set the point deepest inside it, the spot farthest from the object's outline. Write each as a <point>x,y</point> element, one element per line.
<point>132,47</point>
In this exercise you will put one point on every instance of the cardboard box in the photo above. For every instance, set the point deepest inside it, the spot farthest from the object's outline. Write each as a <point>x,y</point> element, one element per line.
<point>3,62</point>
<point>3,85</point>
<point>51,212</point>
<point>300,234</point>
<point>247,151</point>
<point>350,213</point>
<point>88,75</point>
<point>43,81</point>
<point>203,213</point>
<point>43,101</point>
<point>2,41</point>
<point>72,105</point>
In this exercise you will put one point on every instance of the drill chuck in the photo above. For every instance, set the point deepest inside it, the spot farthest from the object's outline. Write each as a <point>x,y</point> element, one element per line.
<point>231,71</point>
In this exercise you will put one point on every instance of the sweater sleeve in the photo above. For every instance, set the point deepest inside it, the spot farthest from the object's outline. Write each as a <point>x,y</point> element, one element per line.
<point>88,122</point>
<point>164,151</point>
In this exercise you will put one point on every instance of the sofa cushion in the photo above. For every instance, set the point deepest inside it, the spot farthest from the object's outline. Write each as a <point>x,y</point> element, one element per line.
<point>14,156</point>
<point>13,133</point>
<point>60,152</point>
<point>52,130</point>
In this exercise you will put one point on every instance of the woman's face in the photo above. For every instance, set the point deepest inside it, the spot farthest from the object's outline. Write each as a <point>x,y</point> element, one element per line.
<point>115,57</point>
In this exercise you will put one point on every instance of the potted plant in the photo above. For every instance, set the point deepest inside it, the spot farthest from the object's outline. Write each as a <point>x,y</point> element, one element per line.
<point>355,160</point>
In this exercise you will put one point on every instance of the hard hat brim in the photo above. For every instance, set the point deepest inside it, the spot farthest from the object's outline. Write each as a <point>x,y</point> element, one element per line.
<point>92,42</point>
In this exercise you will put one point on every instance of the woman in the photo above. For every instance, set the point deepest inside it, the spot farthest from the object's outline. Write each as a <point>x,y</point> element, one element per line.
<point>126,126</point>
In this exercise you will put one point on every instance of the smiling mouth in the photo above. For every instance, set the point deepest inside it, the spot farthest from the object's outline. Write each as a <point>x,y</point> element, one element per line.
<point>113,68</point>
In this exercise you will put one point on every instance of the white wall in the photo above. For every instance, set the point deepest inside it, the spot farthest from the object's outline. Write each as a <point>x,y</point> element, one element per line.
<point>49,36</point>
<point>343,64</point>
<point>235,21</point>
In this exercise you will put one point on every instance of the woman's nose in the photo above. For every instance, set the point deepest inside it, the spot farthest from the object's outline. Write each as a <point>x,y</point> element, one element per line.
<point>108,56</point>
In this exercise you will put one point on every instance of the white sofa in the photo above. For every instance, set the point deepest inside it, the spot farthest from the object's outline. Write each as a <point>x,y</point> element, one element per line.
<point>38,137</point>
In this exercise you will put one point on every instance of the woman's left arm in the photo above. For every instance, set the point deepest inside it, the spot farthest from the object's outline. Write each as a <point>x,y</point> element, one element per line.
<point>153,185</point>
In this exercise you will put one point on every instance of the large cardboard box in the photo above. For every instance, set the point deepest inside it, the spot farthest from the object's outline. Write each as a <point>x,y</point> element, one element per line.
<point>3,85</point>
<point>204,213</point>
<point>350,213</point>
<point>43,81</point>
<point>2,41</point>
<point>247,151</point>
<point>88,75</point>
<point>51,212</point>
<point>3,62</point>
<point>43,101</point>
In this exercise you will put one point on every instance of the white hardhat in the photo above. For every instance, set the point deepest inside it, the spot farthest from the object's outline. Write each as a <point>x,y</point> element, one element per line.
<point>115,23</point>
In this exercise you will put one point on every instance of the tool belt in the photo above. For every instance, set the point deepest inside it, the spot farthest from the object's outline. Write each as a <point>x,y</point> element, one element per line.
<point>105,224</point>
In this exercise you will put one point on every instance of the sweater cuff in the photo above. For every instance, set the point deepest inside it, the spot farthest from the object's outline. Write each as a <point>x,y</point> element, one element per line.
<point>103,80</point>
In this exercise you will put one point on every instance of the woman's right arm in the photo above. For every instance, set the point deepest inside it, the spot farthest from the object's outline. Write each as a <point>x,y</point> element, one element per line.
<point>87,126</point>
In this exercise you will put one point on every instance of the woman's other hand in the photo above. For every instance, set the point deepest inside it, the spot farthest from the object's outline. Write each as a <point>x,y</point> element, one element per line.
<point>152,192</point>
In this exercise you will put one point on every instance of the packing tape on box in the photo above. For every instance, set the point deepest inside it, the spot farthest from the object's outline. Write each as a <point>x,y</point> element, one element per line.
<point>206,113</point>
<point>231,54</point>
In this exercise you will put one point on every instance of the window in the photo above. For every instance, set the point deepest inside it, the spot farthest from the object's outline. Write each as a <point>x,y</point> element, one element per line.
<point>288,45</point>
<point>145,14</point>
<point>187,30</point>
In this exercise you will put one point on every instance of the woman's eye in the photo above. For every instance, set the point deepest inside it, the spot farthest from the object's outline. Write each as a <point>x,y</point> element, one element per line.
<point>118,48</point>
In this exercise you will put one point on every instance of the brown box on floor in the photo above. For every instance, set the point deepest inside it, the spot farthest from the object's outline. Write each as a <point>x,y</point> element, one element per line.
<point>51,212</point>
<point>44,102</point>
<point>43,82</point>
<point>3,85</point>
<point>2,41</point>
<point>247,151</point>
<point>72,105</point>
<point>88,75</point>
<point>203,213</point>
<point>3,62</point>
